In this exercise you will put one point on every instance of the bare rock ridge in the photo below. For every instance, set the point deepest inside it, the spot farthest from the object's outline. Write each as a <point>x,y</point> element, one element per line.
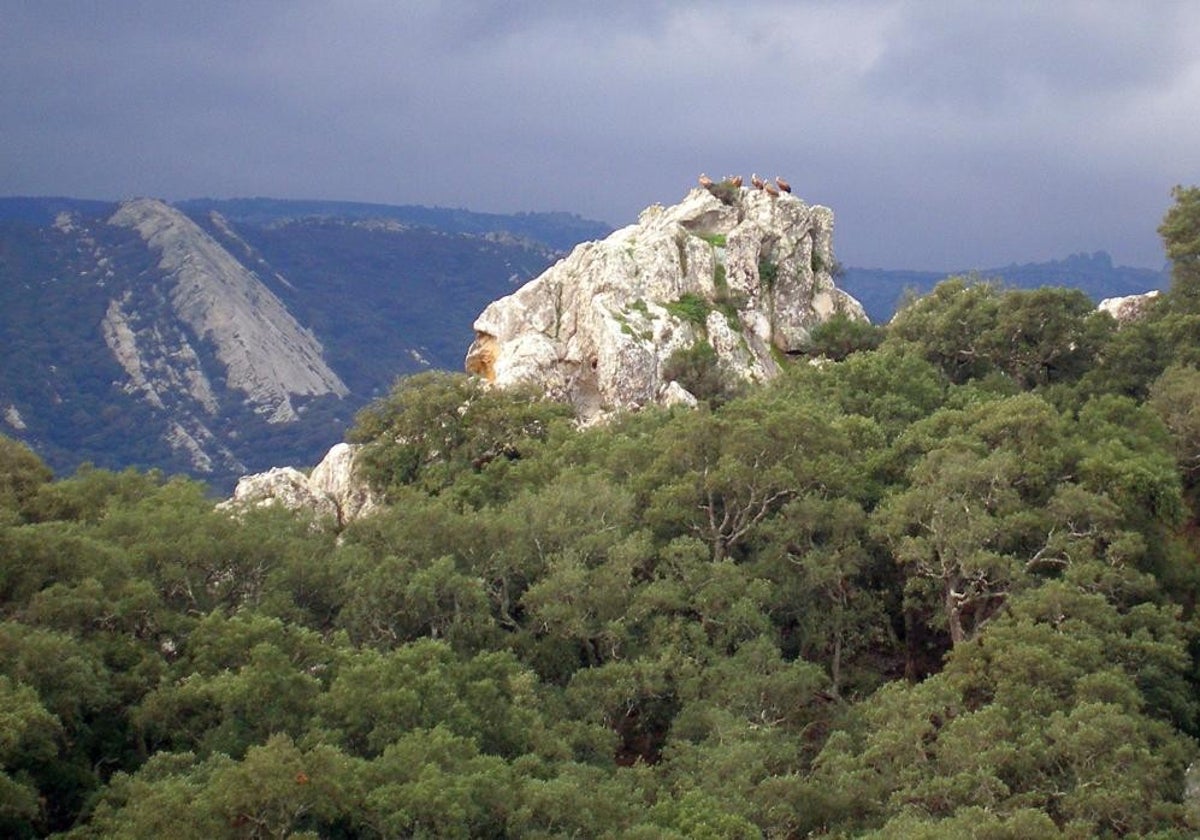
<point>747,270</point>
<point>267,355</point>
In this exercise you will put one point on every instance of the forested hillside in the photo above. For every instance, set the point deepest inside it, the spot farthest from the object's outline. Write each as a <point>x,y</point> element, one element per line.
<point>943,587</point>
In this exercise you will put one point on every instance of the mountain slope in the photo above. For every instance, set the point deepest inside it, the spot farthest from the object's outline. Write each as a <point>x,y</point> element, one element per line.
<point>266,354</point>
<point>135,334</point>
<point>560,231</point>
<point>388,299</point>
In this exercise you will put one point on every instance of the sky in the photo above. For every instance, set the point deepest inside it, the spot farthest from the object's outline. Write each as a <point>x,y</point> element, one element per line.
<point>944,135</point>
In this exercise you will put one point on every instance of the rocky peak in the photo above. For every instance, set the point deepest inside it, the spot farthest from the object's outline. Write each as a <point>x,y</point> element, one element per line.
<point>744,270</point>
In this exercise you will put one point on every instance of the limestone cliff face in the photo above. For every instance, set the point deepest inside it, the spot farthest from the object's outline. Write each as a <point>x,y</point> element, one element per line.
<point>748,273</point>
<point>266,354</point>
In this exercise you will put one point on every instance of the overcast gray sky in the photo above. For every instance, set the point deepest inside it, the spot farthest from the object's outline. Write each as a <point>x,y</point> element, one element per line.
<point>943,134</point>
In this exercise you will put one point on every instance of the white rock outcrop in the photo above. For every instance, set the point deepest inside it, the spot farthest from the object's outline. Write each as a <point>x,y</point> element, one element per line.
<point>1128,309</point>
<point>747,272</point>
<point>13,418</point>
<point>334,478</point>
<point>331,491</point>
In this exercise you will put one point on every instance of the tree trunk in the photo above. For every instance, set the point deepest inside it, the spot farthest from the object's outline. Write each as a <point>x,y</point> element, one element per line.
<point>952,602</point>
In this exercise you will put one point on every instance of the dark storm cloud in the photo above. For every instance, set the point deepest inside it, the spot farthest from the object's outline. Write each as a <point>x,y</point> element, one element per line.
<point>983,56</point>
<point>943,134</point>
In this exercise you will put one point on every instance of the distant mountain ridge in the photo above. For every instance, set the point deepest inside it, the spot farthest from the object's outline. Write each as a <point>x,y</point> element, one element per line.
<point>881,290</point>
<point>217,337</point>
<point>42,210</point>
<point>559,230</point>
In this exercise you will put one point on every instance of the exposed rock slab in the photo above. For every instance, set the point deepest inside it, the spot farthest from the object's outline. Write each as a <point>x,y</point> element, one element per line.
<point>1128,309</point>
<point>335,478</point>
<point>333,490</point>
<point>267,355</point>
<point>159,362</point>
<point>748,273</point>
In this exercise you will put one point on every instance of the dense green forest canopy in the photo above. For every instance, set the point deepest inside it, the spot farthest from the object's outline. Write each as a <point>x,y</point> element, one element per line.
<point>944,586</point>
